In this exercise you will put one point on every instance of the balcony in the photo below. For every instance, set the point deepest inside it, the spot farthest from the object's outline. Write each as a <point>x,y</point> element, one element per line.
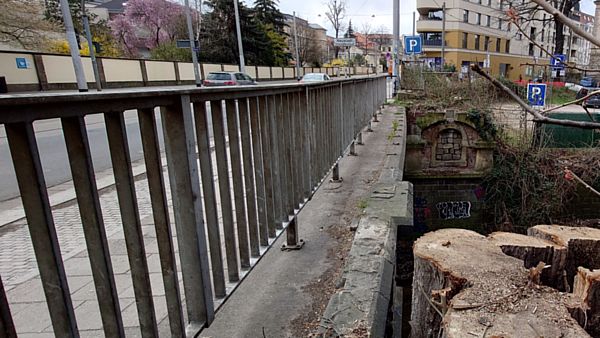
<point>429,25</point>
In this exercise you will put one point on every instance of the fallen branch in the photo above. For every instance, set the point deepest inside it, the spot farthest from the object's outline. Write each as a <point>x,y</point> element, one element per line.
<point>537,116</point>
<point>574,25</point>
<point>569,175</point>
<point>579,100</point>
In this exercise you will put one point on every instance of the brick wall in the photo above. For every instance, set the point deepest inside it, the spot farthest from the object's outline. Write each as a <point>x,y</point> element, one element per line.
<point>448,202</point>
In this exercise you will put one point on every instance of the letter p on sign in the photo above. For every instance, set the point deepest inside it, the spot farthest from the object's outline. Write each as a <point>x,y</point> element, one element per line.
<point>536,94</point>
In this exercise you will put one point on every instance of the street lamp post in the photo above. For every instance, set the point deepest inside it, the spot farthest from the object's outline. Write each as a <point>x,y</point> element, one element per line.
<point>193,47</point>
<point>239,36</point>
<point>72,39</point>
<point>297,53</point>
<point>88,35</point>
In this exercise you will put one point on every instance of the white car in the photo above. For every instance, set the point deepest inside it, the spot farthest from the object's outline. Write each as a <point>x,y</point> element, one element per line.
<point>315,77</point>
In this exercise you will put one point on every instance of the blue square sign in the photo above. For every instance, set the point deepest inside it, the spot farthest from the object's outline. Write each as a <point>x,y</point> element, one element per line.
<point>558,61</point>
<point>536,94</point>
<point>21,63</point>
<point>413,45</point>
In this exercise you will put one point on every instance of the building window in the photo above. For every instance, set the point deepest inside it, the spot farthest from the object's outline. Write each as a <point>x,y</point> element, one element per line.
<point>486,45</point>
<point>488,21</point>
<point>507,47</point>
<point>519,36</point>
<point>501,4</point>
<point>476,41</point>
<point>489,3</point>
<point>478,18</point>
<point>543,33</point>
<point>531,49</point>
<point>465,40</point>
<point>541,53</point>
<point>465,15</point>
<point>498,45</point>
<point>499,23</point>
<point>532,33</point>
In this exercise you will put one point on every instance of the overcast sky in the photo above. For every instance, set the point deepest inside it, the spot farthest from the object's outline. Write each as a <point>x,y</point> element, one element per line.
<point>361,12</point>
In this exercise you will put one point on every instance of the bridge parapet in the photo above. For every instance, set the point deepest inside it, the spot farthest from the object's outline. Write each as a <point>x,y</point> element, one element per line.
<point>241,163</point>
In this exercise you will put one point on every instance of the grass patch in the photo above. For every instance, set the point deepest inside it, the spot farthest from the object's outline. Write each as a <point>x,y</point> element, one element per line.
<point>362,205</point>
<point>560,95</point>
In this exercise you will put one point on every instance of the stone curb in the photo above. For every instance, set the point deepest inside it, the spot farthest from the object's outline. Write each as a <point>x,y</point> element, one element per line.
<point>360,306</point>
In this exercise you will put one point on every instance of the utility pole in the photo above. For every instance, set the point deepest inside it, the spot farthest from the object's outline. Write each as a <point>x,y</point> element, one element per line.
<point>297,52</point>
<point>443,61</point>
<point>72,40</point>
<point>239,36</point>
<point>395,58</point>
<point>414,23</point>
<point>193,47</point>
<point>88,36</point>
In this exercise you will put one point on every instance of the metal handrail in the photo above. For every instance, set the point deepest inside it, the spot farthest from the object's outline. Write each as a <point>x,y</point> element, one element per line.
<point>277,141</point>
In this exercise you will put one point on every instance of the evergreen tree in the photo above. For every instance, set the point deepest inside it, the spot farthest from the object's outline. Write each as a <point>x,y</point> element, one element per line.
<point>219,40</point>
<point>267,13</point>
<point>350,31</point>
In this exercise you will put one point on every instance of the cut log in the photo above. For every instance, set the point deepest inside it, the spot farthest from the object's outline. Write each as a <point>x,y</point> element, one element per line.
<point>583,245</point>
<point>486,292</point>
<point>531,251</point>
<point>586,303</point>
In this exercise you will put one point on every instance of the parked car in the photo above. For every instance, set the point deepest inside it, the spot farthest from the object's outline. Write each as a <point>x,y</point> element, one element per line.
<point>592,101</point>
<point>588,82</point>
<point>315,77</point>
<point>228,79</point>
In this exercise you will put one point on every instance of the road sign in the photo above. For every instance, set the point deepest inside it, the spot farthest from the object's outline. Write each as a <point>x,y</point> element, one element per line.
<point>558,61</point>
<point>536,94</point>
<point>185,43</point>
<point>22,63</point>
<point>344,42</point>
<point>413,45</point>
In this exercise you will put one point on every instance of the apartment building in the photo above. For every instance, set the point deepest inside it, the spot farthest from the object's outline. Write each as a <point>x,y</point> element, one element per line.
<point>478,31</point>
<point>578,49</point>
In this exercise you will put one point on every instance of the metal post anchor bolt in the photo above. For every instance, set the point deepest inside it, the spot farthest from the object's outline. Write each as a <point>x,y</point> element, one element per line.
<point>352,149</point>
<point>359,139</point>
<point>293,243</point>
<point>335,175</point>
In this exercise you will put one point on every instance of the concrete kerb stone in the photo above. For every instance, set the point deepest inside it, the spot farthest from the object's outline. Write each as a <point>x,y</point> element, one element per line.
<point>361,304</point>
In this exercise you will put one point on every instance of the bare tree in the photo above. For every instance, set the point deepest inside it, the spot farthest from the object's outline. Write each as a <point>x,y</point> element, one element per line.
<point>366,30</point>
<point>309,50</point>
<point>22,24</point>
<point>336,13</point>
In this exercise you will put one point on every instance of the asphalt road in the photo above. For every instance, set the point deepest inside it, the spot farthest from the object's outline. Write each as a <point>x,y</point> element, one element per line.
<point>53,152</point>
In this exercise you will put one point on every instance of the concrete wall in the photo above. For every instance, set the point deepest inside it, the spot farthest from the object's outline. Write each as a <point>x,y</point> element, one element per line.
<point>186,71</point>
<point>264,72</point>
<point>14,75</point>
<point>277,72</point>
<point>55,72</point>
<point>231,68</point>
<point>288,73</point>
<point>59,69</point>
<point>160,71</point>
<point>211,68</point>
<point>116,70</point>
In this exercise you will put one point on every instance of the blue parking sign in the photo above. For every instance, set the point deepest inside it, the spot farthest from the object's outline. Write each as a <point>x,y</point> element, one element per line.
<point>21,63</point>
<point>536,94</point>
<point>413,45</point>
<point>558,61</point>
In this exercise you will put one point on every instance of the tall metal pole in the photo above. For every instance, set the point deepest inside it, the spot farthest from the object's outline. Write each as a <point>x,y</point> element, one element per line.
<point>193,47</point>
<point>395,56</point>
<point>72,40</point>
<point>88,35</point>
<point>297,52</point>
<point>239,36</point>
<point>414,23</point>
<point>443,61</point>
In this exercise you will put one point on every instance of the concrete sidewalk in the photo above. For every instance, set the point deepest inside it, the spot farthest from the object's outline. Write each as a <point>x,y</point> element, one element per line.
<point>284,295</point>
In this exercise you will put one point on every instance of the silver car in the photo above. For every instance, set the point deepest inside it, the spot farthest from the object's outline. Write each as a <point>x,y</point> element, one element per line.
<point>228,79</point>
<point>315,77</point>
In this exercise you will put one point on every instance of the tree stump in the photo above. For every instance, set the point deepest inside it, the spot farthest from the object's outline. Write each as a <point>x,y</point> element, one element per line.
<point>531,251</point>
<point>582,244</point>
<point>464,285</point>
<point>586,303</point>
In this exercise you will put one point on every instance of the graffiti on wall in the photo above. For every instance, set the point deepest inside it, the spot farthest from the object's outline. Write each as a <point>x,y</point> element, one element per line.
<point>454,210</point>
